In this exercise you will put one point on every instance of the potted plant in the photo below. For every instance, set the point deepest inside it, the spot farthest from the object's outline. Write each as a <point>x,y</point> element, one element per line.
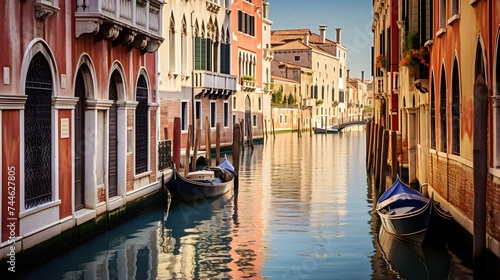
<point>381,61</point>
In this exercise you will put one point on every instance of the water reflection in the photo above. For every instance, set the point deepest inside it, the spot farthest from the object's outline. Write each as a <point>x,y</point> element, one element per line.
<point>303,210</point>
<point>194,239</point>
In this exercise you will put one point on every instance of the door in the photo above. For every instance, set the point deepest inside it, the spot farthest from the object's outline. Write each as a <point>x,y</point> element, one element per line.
<point>79,168</point>
<point>113,139</point>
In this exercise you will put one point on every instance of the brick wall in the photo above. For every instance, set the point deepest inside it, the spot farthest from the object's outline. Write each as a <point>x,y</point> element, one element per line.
<point>454,181</point>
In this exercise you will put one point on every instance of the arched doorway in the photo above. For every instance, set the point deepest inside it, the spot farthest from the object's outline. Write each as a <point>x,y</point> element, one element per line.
<point>38,133</point>
<point>79,167</point>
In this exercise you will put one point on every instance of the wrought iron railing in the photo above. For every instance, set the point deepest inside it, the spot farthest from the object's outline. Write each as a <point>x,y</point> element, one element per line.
<point>164,154</point>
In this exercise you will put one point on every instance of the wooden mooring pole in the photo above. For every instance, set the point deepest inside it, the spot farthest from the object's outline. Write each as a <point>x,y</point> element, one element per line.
<point>217,144</point>
<point>176,146</point>
<point>480,171</point>
<point>188,150</point>
<point>236,150</point>
<point>383,160</point>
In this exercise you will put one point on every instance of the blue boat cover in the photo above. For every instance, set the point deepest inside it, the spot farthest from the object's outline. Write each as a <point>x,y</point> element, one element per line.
<point>227,165</point>
<point>400,195</point>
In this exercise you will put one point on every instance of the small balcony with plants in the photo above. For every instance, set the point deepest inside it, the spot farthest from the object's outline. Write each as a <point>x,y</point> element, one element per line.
<point>414,56</point>
<point>248,83</point>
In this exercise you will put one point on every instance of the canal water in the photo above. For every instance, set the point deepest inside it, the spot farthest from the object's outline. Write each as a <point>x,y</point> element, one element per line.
<point>304,209</point>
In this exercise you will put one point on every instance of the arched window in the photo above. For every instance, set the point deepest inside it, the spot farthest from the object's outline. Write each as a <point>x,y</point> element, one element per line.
<point>141,126</point>
<point>184,47</point>
<point>442,111</point>
<point>171,49</point>
<point>496,112</point>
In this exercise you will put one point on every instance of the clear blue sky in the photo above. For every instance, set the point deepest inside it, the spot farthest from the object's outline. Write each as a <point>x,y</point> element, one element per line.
<point>355,17</point>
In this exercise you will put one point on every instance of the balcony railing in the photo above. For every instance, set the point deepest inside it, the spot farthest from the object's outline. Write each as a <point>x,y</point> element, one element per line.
<point>135,23</point>
<point>214,84</point>
<point>213,6</point>
<point>268,54</point>
<point>308,103</point>
<point>248,85</point>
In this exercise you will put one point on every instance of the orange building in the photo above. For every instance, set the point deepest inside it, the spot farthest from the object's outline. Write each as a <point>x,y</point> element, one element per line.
<point>247,60</point>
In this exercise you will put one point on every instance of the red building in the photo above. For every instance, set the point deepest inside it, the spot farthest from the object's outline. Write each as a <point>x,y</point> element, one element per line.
<point>78,111</point>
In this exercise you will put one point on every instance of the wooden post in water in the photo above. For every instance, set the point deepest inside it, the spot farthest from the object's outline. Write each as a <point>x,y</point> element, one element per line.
<point>394,156</point>
<point>236,148</point>
<point>196,146</point>
<point>217,144</point>
<point>188,150</point>
<point>242,134</point>
<point>272,122</point>
<point>378,151</point>
<point>250,132</point>
<point>368,130</point>
<point>176,146</point>
<point>480,171</point>
<point>265,128</point>
<point>373,154</point>
<point>208,142</point>
<point>383,160</point>
<point>298,129</point>
<point>310,128</point>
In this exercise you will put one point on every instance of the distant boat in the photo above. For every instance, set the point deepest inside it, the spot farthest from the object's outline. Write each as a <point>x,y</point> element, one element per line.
<point>198,185</point>
<point>404,212</point>
<point>328,130</point>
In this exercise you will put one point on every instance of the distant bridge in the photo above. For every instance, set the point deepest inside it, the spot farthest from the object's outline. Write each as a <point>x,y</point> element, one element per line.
<point>350,123</point>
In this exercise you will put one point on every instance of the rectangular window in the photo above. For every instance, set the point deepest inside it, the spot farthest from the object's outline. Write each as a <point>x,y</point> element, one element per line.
<point>234,119</point>
<point>197,112</point>
<point>226,114</point>
<point>260,103</point>
<point>296,58</point>
<point>246,23</point>
<point>254,121</point>
<point>200,53</point>
<point>225,58</point>
<point>213,115</point>
<point>184,115</point>
<point>234,102</point>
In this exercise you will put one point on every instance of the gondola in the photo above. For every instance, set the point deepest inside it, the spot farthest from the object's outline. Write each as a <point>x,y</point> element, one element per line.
<point>198,185</point>
<point>404,212</point>
<point>328,130</point>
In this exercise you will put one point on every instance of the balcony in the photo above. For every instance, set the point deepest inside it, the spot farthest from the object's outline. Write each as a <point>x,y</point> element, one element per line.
<point>45,8</point>
<point>268,54</point>
<point>248,83</point>
<point>308,103</point>
<point>135,23</point>
<point>213,6</point>
<point>213,85</point>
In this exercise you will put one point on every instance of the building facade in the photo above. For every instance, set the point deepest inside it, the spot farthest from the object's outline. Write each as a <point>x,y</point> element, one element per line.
<point>251,57</point>
<point>195,81</point>
<point>78,111</point>
<point>327,62</point>
<point>446,79</point>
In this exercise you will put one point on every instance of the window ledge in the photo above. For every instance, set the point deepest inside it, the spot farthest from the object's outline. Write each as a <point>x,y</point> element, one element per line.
<point>428,43</point>
<point>473,2</point>
<point>453,18</point>
<point>441,32</point>
<point>142,175</point>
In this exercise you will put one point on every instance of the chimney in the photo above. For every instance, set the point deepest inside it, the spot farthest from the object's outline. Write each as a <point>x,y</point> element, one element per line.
<point>339,35</point>
<point>322,33</point>
<point>348,74</point>
<point>363,77</point>
<point>307,39</point>
<point>265,8</point>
